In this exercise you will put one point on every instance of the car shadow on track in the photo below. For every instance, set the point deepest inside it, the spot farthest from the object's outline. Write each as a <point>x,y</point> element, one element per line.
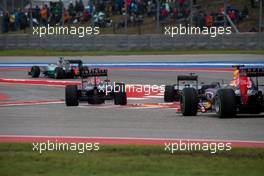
<point>239,116</point>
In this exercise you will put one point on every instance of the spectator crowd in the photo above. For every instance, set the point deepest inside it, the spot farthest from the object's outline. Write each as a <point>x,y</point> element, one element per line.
<point>100,12</point>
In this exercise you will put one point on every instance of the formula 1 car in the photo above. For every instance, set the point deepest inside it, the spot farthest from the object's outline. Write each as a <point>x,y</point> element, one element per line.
<point>93,90</point>
<point>63,69</point>
<point>172,92</point>
<point>227,100</point>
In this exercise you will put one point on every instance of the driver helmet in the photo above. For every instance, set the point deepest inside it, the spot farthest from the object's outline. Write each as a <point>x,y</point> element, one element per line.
<point>60,60</point>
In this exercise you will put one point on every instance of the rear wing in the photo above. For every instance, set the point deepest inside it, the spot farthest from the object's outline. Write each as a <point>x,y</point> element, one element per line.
<point>85,72</point>
<point>79,62</point>
<point>190,77</point>
<point>187,78</point>
<point>252,71</point>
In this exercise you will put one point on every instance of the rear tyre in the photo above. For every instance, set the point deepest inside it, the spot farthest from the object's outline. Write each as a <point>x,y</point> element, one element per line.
<point>120,97</point>
<point>71,95</point>
<point>35,72</point>
<point>189,102</point>
<point>59,73</point>
<point>70,75</point>
<point>169,94</point>
<point>225,103</point>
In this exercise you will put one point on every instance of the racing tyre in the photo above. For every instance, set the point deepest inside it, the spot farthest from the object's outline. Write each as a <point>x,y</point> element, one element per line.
<point>71,75</point>
<point>71,95</point>
<point>189,102</point>
<point>35,72</point>
<point>59,73</point>
<point>225,103</point>
<point>169,94</point>
<point>120,97</point>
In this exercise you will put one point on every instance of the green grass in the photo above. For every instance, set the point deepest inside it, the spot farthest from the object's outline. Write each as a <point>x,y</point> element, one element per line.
<point>19,159</point>
<point>98,53</point>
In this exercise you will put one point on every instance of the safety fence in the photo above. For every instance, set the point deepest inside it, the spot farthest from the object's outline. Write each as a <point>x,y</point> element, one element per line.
<point>245,41</point>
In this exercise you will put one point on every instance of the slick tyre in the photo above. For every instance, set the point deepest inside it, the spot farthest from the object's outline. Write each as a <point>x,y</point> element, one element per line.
<point>169,94</point>
<point>59,73</point>
<point>71,95</point>
<point>189,102</point>
<point>120,97</point>
<point>225,103</point>
<point>35,72</point>
<point>71,75</point>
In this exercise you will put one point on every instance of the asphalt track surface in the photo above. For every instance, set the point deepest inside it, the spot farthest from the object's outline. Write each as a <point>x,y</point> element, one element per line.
<point>148,121</point>
<point>164,58</point>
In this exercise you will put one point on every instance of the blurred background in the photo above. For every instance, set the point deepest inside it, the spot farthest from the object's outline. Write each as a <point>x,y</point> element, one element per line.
<point>130,16</point>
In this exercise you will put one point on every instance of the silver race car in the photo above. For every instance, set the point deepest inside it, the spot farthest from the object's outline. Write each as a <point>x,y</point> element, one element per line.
<point>63,69</point>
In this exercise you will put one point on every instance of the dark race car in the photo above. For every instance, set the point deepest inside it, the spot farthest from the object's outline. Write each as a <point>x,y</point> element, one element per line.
<point>242,96</point>
<point>63,69</point>
<point>94,90</point>
<point>172,92</point>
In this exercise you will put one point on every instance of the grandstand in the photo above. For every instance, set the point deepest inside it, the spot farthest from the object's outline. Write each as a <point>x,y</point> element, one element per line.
<point>141,16</point>
<point>13,4</point>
